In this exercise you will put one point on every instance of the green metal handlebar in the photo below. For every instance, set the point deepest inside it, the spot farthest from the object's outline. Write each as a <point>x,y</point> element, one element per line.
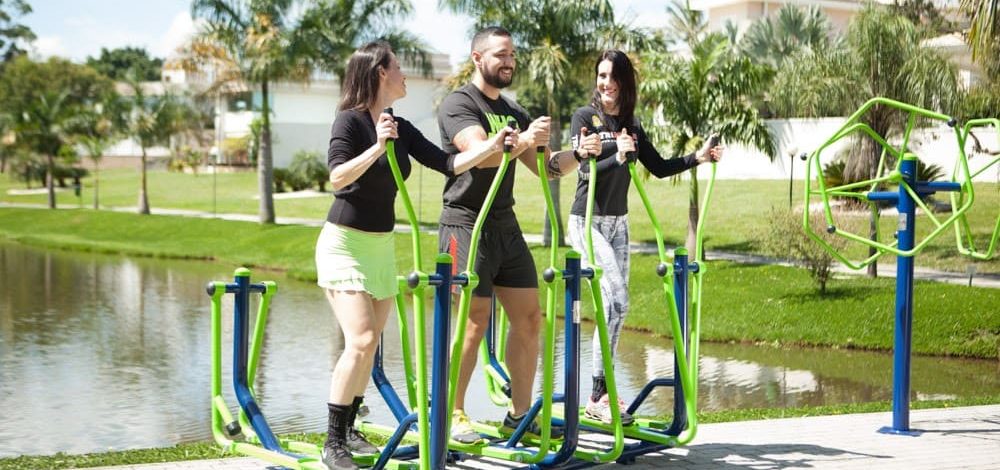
<point>963,232</point>
<point>687,353</point>
<point>418,394</point>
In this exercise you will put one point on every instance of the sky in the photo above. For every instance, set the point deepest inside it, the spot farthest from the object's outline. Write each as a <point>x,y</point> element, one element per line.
<point>80,28</point>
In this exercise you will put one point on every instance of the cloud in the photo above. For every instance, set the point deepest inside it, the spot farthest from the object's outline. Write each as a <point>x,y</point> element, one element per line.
<point>48,46</point>
<point>182,27</point>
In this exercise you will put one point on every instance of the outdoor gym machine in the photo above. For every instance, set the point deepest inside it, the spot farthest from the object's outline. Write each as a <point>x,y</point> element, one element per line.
<point>258,439</point>
<point>430,417</point>
<point>652,436</point>
<point>507,446</point>
<point>684,313</point>
<point>432,433</point>
<point>907,198</point>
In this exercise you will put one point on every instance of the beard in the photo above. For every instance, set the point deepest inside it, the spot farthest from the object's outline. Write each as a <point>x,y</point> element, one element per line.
<point>494,79</point>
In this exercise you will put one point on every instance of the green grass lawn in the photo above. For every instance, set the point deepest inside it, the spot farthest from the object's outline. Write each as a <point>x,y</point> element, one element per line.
<point>738,215</point>
<point>770,304</point>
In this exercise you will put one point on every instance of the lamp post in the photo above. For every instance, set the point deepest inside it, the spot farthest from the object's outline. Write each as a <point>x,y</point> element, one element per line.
<point>791,173</point>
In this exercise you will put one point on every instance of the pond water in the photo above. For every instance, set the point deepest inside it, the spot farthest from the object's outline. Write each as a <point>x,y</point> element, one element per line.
<point>106,352</point>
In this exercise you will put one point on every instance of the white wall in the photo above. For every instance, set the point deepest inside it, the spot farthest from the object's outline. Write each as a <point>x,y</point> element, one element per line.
<point>303,114</point>
<point>937,145</point>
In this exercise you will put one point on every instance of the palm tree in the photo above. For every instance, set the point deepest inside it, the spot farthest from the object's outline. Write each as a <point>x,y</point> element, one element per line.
<point>984,32</point>
<point>333,29</point>
<point>40,99</point>
<point>708,93</point>
<point>97,128</point>
<point>557,44</point>
<point>152,121</point>
<point>13,34</point>
<point>43,124</point>
<point>7,138</point>
<point>257,42</point>
<point>794,29</point>
<point>685,26</point>
<point>882,57</point>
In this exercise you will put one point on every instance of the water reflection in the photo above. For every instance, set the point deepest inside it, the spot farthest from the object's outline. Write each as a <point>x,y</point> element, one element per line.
<point>102,352</point>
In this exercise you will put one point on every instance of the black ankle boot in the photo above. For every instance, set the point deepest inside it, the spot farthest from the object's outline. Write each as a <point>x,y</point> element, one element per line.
<point>356,441</point>
<point>336,454</point>
<point>599,389</point>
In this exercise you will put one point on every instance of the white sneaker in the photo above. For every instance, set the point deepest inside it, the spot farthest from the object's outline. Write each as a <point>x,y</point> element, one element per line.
<point>600,410</point>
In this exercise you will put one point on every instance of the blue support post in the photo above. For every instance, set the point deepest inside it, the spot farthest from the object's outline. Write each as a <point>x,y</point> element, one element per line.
<point>571,363</point>
<point>681,270</point>
<point>241,349</point>
<point>905,234</point>
<point>573,275</point>
<point>439,359</point>
<point>396,406</point>
<point>904,302</point>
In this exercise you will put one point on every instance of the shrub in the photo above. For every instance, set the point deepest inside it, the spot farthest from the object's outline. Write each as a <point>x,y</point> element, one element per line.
<point>283,177</point>
<point>308,167</point>
<point>784,237</point>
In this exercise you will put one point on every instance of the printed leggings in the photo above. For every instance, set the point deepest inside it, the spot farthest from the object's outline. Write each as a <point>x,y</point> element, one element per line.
<point>610,236</point>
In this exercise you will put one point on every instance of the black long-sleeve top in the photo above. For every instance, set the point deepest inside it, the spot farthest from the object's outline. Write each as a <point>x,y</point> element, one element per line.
<point>368,203</point>
<point>611,194</point>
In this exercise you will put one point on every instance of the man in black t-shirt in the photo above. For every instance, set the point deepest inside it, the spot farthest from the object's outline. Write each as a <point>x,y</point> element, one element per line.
<point>503,263</point>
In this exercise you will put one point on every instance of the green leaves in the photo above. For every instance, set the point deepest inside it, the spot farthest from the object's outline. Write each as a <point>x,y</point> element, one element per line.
<point>710,92</point>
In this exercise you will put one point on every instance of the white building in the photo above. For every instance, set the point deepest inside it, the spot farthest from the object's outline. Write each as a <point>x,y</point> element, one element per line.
<point>744,12</point>
<point>302,113</point>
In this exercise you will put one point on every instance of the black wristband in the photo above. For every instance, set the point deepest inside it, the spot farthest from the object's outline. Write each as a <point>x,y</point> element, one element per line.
<point>577,156</point>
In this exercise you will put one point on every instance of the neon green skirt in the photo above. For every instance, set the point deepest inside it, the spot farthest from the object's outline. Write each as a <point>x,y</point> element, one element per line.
<point>353,260</point>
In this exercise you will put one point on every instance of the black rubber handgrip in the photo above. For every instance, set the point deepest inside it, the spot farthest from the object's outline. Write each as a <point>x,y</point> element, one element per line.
<point>713,140</point>
<point>513,125</point>
<point>389,112</point>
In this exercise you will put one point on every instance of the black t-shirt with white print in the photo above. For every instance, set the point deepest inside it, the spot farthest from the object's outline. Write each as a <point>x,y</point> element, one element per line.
<point>611,193</point>
<point>465,193</point>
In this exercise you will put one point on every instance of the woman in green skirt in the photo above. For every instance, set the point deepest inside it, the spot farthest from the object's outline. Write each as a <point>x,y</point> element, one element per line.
<point>355,253</point>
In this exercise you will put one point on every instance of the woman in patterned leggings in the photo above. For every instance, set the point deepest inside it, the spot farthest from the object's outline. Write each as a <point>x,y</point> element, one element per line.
<point>611,114</point>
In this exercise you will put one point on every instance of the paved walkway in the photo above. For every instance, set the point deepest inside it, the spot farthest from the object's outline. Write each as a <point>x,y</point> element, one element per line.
<point>948,438</point>
<point>884,269</point>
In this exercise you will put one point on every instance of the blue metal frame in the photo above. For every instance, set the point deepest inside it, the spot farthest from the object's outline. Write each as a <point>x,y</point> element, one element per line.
<point>241,352</point>
<point>682,270</point>
<point>442,281</point>
<point>440,357</point>
<point>905,234</point>
<point>570,397</point>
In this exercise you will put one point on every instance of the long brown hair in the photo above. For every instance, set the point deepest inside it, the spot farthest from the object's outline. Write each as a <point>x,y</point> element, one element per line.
<point>622,72</point>
<point>362,79</point>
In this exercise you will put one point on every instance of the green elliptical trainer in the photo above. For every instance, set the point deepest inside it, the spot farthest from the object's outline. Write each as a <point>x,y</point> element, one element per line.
<point>257,438</point>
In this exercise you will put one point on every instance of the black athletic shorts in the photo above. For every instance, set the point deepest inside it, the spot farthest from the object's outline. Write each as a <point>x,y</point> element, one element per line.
<point>502,258</point>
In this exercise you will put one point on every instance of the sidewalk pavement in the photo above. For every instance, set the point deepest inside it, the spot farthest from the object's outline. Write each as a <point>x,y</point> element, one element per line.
<point>884,269</point>
<point>946,438</point>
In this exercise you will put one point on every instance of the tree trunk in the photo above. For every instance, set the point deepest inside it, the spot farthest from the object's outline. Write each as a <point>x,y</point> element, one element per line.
<point>555,144</point>
<point>97,177</point>
<point>143,198</point>
<point>692,235</point>
<point>873,236</point>
<point>265,167</point>
<point>49,180</point>
<point>864,166</point>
